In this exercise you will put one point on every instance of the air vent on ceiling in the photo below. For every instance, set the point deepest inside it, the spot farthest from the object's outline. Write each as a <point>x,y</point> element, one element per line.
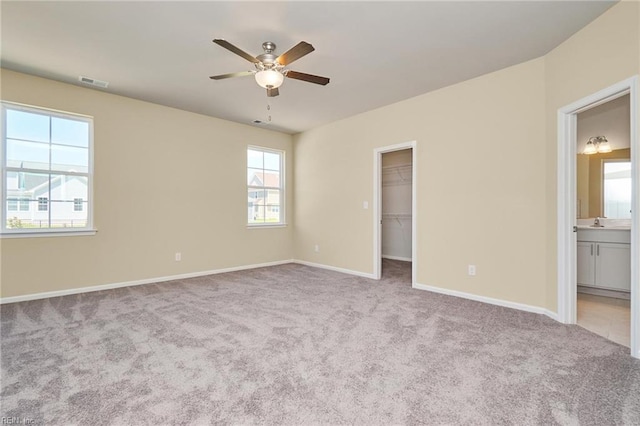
<point>94,82</point>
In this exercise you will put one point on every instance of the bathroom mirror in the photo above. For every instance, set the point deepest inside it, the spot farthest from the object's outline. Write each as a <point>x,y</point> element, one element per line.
<point>604,185</point>
<point>603,179</point>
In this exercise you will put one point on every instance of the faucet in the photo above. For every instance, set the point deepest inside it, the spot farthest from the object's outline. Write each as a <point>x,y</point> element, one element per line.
<point>597,222</point>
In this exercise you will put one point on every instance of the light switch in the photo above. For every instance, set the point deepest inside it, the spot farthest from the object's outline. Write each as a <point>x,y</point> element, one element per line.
<point>365,205</point>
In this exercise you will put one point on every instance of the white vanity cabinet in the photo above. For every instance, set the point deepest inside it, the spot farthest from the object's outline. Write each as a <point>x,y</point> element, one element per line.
<point>586,270</point>
<point>604,259</point>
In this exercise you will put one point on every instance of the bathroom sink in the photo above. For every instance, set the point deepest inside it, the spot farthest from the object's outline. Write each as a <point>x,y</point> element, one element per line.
<point>609,227</point>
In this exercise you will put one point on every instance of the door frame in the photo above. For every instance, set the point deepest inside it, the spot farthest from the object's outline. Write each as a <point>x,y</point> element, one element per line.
<point>566,186</point>
<point>377,206</point>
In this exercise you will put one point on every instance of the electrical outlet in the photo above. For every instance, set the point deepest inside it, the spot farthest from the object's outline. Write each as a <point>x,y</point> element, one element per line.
<point>472,270</point>
<point>178,257</point>
<point>316,248</point>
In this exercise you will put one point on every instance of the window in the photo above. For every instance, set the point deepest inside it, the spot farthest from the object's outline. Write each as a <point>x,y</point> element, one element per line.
<point>616,189</point>
<point>18,204</point>
<point>265,186</point>
<point>43,205</point>
<point>46,162</point>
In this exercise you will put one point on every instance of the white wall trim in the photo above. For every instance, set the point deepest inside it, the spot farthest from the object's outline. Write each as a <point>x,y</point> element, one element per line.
<point>404,259</point>
<point>551,314</point>
<point>334,268</point>
<point>377,206</point>
<point>489,300</point>
<point>101,287</point>
<point>566,243</point>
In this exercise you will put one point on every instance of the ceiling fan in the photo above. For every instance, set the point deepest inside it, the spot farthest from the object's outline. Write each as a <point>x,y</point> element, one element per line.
<point>270,69</point>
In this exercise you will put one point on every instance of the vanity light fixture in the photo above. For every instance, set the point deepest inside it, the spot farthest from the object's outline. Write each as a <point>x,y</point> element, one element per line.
<point>597,144</point>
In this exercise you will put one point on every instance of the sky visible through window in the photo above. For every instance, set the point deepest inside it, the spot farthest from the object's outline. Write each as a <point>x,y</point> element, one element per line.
<point>32,138</point>
<point>47,166</point>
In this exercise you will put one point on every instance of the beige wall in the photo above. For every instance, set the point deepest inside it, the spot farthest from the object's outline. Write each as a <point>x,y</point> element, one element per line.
<point>486,183</point>
<point>480,198</point>
<point>603,53</point>
<point>166,181</point>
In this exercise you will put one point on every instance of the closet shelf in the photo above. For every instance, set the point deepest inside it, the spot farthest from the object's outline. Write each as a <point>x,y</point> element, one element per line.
<point>396,215</point>
<point>397,166</point>
<point>397,175</point>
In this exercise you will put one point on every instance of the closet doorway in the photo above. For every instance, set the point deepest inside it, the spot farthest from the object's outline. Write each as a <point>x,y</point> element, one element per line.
<point>395,211</point>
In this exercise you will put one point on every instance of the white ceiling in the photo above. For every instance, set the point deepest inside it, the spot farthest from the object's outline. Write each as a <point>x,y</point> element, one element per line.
<point>375,53</point>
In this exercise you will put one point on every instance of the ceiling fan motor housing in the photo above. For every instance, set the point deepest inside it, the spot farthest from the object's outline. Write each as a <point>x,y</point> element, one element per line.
<point>268,59</point>
<point>268,46</point>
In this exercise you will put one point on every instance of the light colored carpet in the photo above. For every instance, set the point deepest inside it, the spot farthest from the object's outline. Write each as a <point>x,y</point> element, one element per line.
<point>296,345</point>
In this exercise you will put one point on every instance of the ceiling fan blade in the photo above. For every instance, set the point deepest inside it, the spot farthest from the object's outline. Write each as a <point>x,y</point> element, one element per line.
<point>234,49</point>
<point>295,53</point>
<point>307,77</point>
<point>231,75</point>
<point>272,92</point>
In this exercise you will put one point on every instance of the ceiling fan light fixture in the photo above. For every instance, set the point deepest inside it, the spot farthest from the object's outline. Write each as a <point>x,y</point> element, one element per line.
<point>269,79</point>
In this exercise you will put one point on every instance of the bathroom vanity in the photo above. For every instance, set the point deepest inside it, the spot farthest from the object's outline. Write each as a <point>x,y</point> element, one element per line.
<point>604,258</point>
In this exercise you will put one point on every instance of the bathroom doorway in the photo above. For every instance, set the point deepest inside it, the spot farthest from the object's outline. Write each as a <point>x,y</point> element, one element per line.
<point>395,211</point>
<point>603,213</point>
<point>569,223</point>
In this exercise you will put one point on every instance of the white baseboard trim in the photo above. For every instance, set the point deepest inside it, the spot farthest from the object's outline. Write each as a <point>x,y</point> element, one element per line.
<point>455,293</point>
<point>334,268</point>
<point>404,259</point>
<point>489,300</point>
<point>101,287</point>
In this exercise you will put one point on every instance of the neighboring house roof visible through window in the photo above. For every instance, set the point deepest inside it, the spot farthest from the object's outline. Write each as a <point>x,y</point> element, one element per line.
<point>265,179</point>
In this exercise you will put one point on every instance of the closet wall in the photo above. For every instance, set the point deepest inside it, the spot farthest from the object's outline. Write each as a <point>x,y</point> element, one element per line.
<point>396,205</point>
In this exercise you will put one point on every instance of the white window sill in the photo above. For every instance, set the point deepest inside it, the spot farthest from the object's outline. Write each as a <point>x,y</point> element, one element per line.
<point>261,226</point>
<point>82,233</point>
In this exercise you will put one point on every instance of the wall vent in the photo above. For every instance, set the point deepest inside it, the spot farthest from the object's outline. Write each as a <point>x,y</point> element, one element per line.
<point>93,82</point>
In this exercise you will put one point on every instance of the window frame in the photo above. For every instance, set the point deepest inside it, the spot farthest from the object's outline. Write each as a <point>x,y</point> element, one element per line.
<point>281,214</point>
<point>4,170</point>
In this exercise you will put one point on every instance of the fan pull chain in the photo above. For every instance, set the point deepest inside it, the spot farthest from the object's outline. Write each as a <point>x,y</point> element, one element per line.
<point>268,109</point>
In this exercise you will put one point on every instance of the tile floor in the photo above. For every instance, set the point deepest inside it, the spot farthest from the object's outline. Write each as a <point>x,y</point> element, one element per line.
<point>605,316</point>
